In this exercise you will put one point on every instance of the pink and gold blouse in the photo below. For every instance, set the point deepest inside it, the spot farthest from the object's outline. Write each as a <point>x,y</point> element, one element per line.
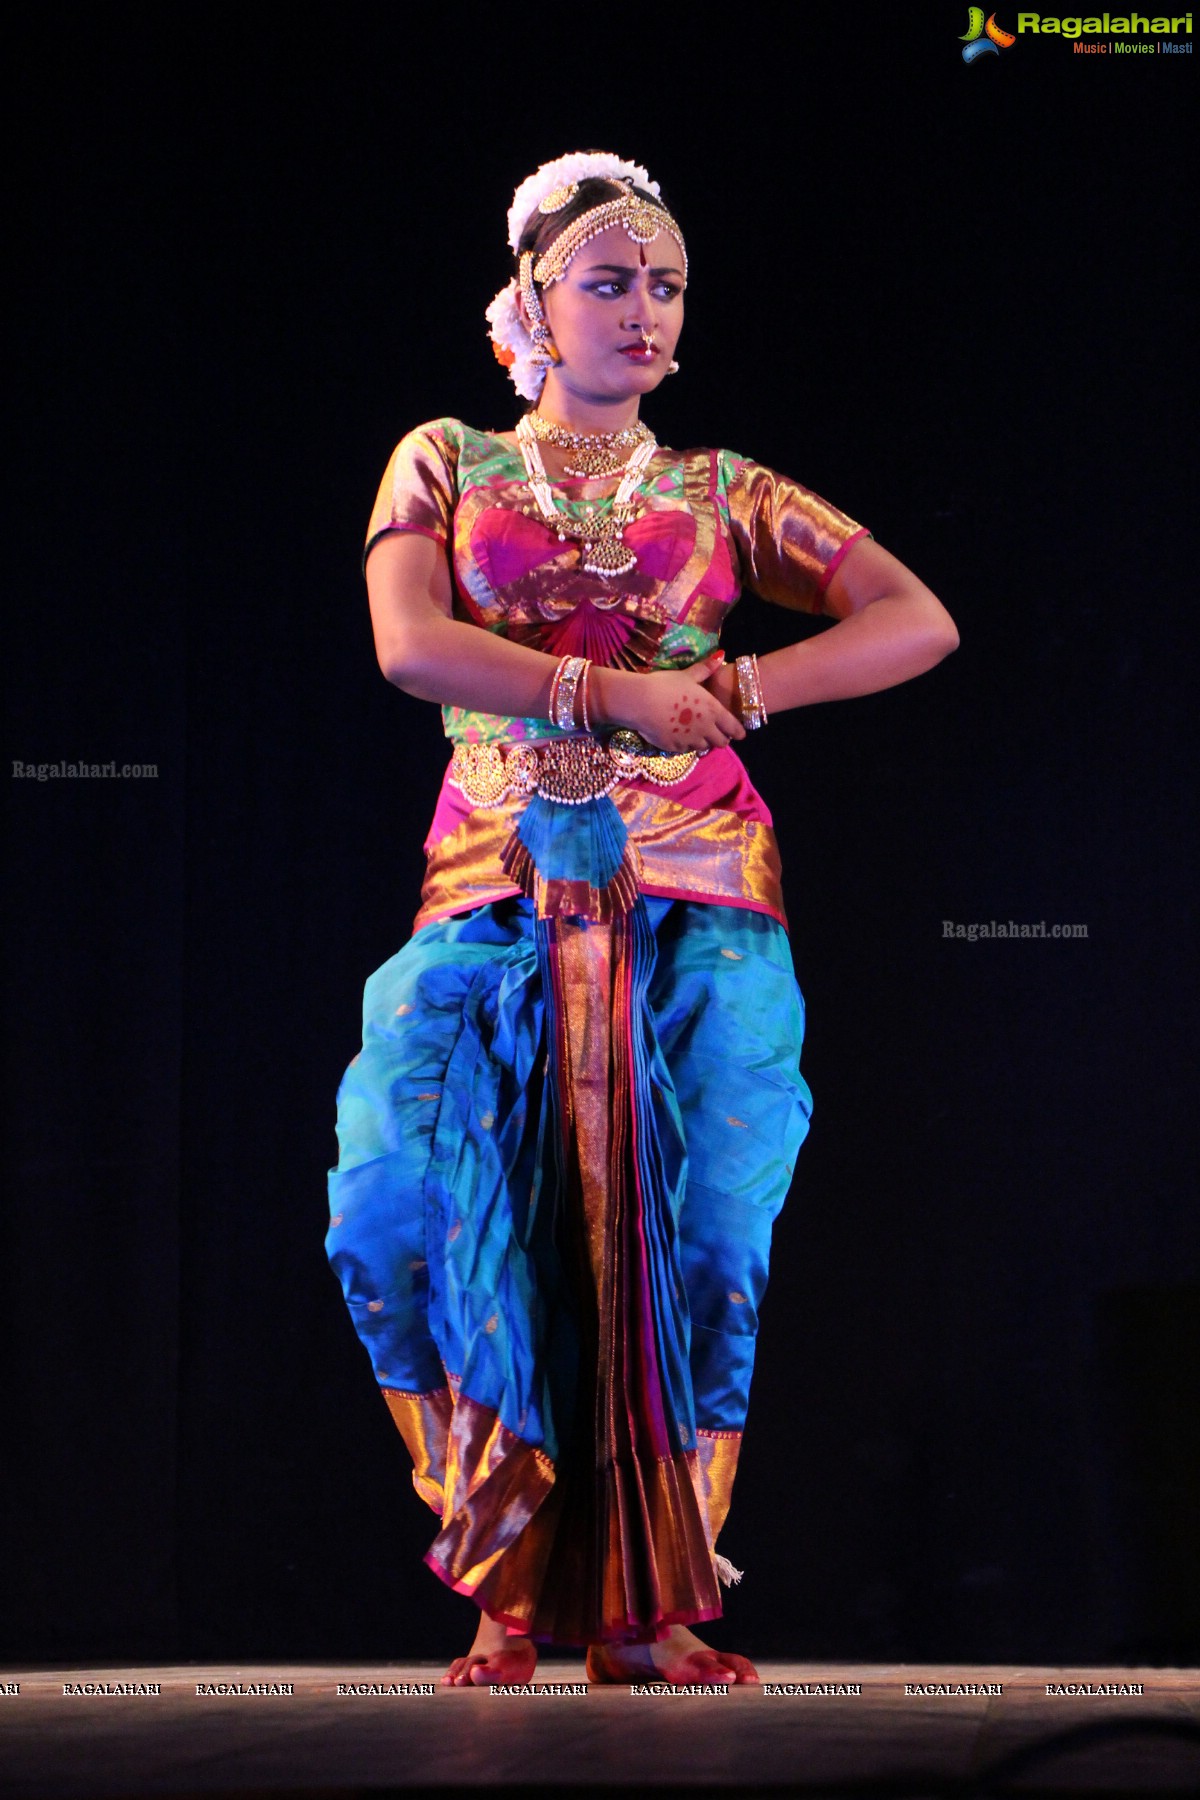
<point>712,522</point>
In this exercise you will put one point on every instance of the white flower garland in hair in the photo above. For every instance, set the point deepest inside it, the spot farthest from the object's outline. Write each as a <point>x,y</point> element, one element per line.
<point>577,167</point>
<point>512,342</point>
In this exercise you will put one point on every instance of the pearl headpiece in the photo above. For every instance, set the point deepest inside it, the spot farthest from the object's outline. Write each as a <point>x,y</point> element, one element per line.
<point>568,171</point>
<point>548,191</point>
<point>641,221</point>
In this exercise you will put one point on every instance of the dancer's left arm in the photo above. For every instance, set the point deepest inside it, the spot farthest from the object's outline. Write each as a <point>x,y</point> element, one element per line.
<point>889,628</point>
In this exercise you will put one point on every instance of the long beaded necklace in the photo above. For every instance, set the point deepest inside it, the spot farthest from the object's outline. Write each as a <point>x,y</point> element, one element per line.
<point>603,548</point>
<point>595,453</point>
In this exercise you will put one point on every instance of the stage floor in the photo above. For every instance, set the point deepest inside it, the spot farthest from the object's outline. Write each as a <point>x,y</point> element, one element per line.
<point>878,1731</point>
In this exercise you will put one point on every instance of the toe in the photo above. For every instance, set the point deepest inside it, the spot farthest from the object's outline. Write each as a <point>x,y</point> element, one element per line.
<point>503,1667</point>
<point>461,1671</point>
<point>740,1667</point>
<point>709,1666</point>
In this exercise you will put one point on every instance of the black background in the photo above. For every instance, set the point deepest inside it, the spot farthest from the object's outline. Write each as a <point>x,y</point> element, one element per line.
<point>950,298</point>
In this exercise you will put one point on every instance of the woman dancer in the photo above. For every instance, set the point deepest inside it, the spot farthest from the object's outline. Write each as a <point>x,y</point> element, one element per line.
<point>577,1107</point>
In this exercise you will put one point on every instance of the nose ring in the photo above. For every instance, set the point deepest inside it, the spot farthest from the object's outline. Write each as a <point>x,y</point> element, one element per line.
<point>647,338</point>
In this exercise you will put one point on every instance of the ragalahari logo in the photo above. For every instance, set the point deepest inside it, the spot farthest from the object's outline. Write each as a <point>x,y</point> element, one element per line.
<point>980,39</point>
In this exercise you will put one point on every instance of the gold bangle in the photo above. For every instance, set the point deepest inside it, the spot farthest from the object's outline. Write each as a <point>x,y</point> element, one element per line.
<point>552,705</point>
<point>571,670</point>
<point>758,693</point>
<point>749,693</point>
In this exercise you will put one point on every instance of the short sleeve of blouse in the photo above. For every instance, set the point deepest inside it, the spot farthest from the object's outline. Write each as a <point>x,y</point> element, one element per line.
<point>419,487</point>
<point>788,540</point>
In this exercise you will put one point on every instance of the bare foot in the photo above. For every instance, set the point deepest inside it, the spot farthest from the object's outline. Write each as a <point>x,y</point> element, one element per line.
<point>495,1658</point>
<point>679,1659</point>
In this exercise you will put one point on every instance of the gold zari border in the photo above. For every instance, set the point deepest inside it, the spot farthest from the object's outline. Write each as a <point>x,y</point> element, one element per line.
<point>713,855</point>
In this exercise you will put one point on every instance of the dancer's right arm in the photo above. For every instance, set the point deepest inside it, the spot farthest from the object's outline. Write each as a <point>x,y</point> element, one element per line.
<point>423,649</point>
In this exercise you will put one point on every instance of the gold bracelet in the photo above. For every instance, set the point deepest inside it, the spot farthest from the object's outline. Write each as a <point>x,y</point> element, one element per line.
<point>758,693</point>
<point>552,708</point>
<point>750,704</point>
<point>570,671</point>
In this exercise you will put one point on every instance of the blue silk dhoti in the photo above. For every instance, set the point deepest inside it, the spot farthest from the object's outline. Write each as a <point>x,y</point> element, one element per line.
<point>562,1149</point>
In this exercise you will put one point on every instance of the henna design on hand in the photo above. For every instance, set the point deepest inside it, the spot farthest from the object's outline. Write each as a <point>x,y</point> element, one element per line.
<point>683,714</point>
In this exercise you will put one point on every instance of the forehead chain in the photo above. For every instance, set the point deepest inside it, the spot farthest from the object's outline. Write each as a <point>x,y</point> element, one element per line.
<point>640,221</point>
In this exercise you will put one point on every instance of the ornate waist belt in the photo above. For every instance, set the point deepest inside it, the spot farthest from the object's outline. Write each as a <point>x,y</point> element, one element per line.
<point>569,770</point>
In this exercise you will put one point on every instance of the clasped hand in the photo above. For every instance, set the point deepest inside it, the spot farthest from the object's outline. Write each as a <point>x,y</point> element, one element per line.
<point>674,710</point>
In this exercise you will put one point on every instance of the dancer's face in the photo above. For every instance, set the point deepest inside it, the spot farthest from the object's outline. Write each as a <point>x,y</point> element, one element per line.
<point>614,293</point>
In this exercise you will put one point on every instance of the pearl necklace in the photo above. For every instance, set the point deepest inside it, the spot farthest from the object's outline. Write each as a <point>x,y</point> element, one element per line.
<point>597,453</point>
<point>603,548</point>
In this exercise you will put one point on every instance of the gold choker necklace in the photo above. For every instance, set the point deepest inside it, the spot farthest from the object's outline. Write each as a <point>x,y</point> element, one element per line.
<point>595,454</point>
<point>600,533</point>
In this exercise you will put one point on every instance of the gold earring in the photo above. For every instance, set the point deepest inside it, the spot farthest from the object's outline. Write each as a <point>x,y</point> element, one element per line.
<point>545,352</point>
<point>672,367</point>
